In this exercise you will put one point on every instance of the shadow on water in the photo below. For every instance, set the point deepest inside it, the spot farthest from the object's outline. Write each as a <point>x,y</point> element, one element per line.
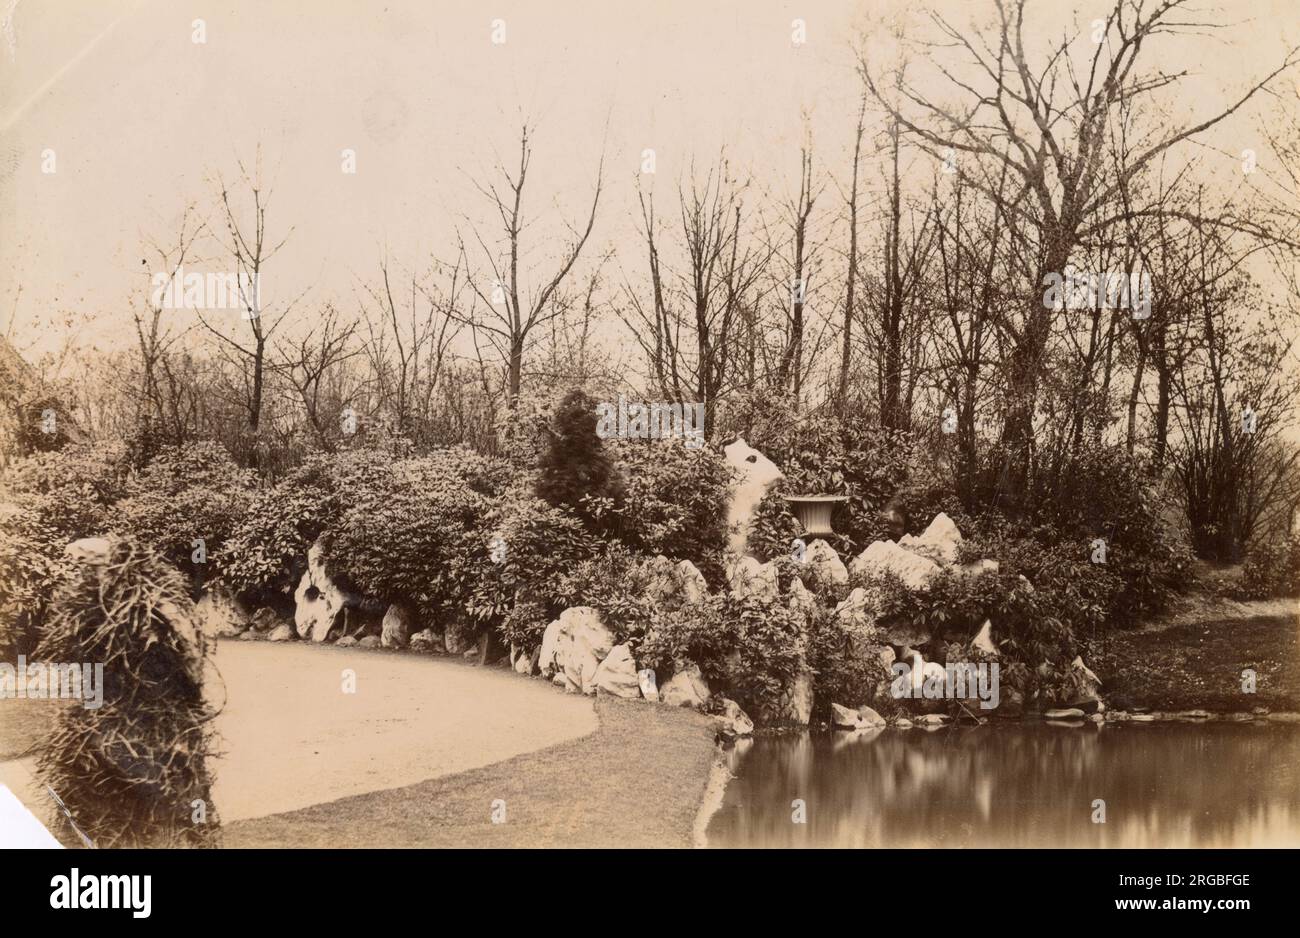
<point>1164,785</point>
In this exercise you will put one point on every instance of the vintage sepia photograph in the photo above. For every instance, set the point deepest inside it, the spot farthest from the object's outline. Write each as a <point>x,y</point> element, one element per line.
<point>691,424</point>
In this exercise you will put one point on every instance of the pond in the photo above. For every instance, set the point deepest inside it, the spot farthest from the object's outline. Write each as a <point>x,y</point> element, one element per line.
<point>1024,785</point>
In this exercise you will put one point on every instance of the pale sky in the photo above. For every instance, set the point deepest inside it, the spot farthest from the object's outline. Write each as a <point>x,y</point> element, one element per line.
<point>139,116</point>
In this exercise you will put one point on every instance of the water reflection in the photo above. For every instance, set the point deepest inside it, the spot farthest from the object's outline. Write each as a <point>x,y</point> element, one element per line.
<point>1164,785</point>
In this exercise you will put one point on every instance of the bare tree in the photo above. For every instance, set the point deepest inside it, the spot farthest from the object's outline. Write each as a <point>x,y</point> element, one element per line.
<point>513,312</point>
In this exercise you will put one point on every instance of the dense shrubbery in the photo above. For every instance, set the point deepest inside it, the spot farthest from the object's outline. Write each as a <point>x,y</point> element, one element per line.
<point>674,502</point>
<point>746,650</point>
<point>52,498</point>
<point>1272,569</point>
<point>186,494</point>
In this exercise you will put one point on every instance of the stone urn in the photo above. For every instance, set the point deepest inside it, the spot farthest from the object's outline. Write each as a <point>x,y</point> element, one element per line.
<point>814,512</point>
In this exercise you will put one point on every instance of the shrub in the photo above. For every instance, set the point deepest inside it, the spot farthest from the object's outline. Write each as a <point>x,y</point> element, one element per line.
<point>674,501</point>
<point>746,649</point>
<point>1103,492</point>
<point>772,527</point>
<point>130,769</point>
<point>1272,569</point>
<point>541,543</point>
<point>52,499</point>
<point>574,468</point>
<point>845,669</point>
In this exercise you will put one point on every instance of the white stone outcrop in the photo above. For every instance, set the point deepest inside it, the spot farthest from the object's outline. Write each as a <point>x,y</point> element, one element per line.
<point>573,646</point>
<point>881,557</point>
<point>755,475</point>
<point>753,580</point>
<point>617,674</point>
<point>318,600</point>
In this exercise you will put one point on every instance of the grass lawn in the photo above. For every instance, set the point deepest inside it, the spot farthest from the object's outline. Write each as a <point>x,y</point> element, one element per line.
<point>1191,665</point>
<point>638,781</point>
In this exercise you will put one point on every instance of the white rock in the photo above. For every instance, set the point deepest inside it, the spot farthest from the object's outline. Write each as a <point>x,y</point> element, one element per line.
<point>646,678</point>
<point>524,664</point>
<point>869,717</point>
<point>617,674</point>
<point>755,475</point>
<point>686,688</point>
<point>733,721</point>
<point>751,579</point>
<point>801,600</point>
<point>281,633</point>
<point>318,601</point>
<point>396,627</point>
<point>855,610</point>
<point>939,541</point>
<point>843,718</point>
<point>425,640</point>
<point>796,702</point>
<point>574,645</point>
<point>882,557</point>
<point>693,585</point>
<point>826,563</point>
<point>219,615</point>
<point>983,640</point>
<point>977,567</point>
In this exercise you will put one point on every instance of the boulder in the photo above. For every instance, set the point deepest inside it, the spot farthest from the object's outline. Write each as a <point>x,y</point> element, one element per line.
<point>933,719</point>
<point>281,633</point>
<point>856,610</point>
<point>218,614</point>
<point>826,564</point>
<point>617,674</point>
<point>425,641</point>
<point>1084,687</point>
<point>983,640</point>
<point>646,678</point>
<point>396,627</point>
<point>796,701</point>
<point>693,585</point>
<point>977,567</point>
<point>939,541</point>
<point>842,718</point>
<point>318,600</point>
<point>458,636</point>
<point>574,645</point>
<point>524,665</point>
<point>801,600</point>
<point>755,475</point>
<point>248,636</point>
<point>733,721</point>
<point>1064,713</point>
<point>686,688</point>
<point>370,641</point>
<point>869,717</point>
<point>264,619</point>
<point>753,580</point>
<point>915,570</point>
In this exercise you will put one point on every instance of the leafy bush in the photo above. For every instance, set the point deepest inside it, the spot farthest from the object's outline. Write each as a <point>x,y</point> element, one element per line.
<point>540,543</point>
<point>845,669</point>
<point>674,501</point>
<point>404,534</point>
<point>187,493</point>
<point>51,499</point>
<point>746,649</point>
<point>1272,569</point>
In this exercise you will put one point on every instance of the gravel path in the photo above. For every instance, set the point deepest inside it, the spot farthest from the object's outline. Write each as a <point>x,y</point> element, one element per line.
<point>290,736</point>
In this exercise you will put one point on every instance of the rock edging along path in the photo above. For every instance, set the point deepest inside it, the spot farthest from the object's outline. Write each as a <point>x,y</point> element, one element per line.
<point>290,736</point>
<point>638,781</point>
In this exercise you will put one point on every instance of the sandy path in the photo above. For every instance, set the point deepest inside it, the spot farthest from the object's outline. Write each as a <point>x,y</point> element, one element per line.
<point>290,736</point>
